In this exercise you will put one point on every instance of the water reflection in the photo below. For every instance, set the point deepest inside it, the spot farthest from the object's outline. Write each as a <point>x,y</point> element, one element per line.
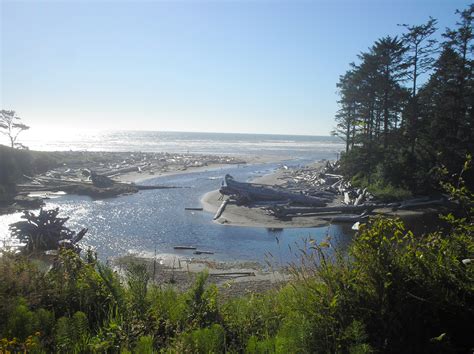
<point>156,219</point>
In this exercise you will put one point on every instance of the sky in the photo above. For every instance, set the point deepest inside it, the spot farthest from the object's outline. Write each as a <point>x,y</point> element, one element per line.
<point>258,66</point>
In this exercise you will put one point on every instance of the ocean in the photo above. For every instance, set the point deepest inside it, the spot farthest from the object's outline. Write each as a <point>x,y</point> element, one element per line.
<point>297,146</point>
<point>155,220</point>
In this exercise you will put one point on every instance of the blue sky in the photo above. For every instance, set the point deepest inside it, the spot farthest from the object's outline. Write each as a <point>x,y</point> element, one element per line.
<point>257,66</point>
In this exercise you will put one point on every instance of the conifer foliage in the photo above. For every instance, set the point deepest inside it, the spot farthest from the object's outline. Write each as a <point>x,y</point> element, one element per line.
<point>406,106</point>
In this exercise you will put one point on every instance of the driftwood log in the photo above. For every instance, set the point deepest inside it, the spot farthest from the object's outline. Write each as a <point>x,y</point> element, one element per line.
<point>259,192</point>
<point>286,210</point>
<point>221,209</point>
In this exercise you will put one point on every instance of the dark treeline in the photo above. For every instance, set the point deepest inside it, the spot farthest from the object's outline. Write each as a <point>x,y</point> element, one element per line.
<point>15,163</point>
<point>397,129</point>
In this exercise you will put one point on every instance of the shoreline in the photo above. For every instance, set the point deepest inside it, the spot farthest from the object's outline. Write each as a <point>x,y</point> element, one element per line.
<point>125,169</point>
<point>254,215</point>
<point>233,278</point>
<point>138,177</point>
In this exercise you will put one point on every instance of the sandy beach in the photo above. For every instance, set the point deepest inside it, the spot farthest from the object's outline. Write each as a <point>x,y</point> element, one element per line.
<point>141,176</point>
<point>253,215</point>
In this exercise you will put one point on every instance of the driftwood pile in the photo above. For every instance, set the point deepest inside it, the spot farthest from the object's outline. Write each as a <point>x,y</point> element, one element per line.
<point>91,184</point>
<point>98,187</point>
<point>92,173</point>
<point>113,164</point>
<point>316,192</point>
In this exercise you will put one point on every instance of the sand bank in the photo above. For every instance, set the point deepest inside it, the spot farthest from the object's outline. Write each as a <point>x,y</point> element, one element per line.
<point>252,215</point>
<point>137,177</point>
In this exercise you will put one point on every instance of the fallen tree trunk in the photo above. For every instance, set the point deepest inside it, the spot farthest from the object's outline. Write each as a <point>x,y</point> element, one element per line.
<point>221,209</point>
<point>251,192</point>
<point>203,252</point>
<point>234,274</point>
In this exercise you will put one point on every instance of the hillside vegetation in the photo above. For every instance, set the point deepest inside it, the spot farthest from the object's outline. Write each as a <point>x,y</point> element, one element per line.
<point>14,163</point>
<point>398,128</point>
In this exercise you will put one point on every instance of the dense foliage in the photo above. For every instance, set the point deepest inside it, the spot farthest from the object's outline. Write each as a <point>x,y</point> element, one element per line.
<point>15,163</point>
<point>398,131</point>
<point>391,292</point>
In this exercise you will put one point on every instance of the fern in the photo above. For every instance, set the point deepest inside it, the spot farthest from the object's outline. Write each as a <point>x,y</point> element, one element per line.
<point>144,345</point>
<point>72,333</point>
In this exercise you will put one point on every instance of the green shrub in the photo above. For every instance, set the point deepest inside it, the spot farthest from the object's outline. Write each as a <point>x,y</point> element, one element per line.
<point>72,333</point>
<point>254,315</point>
<point>202,303</point>
<point>137,280</point>
<point>209,340</point>
<point>77,286</point>
<point>260,346</point>
<point>382,190</point>
<point>144,345</point>
<point>21,321</point>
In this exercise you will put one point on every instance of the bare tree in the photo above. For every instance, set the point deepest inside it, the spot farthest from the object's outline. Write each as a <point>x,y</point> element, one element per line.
<point>12,126</point>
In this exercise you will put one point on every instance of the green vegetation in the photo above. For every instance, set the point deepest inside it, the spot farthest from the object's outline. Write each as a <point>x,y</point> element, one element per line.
<point>398,132</point>
<point>16,163</point>
<point>391,292</point>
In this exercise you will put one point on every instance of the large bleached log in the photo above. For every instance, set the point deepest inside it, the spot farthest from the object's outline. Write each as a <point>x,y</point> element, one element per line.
<point>251,191</point>
<point>359,199</point>
<point>336,184</point>
<point>333,175</point>
<point>221,209</point>
<point>347,199</point>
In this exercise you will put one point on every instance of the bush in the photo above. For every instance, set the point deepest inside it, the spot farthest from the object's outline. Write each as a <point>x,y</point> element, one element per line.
<point>380,188</point>
<point>209,340</point>
<point>72,333</point>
